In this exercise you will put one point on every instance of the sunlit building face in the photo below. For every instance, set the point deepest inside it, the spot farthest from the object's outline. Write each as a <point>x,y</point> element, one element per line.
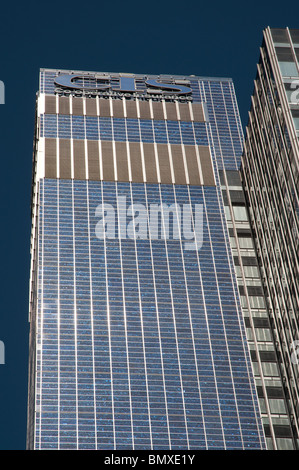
<point>137,333</point>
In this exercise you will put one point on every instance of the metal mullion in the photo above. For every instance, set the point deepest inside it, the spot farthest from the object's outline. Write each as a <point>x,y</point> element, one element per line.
<point>275,204</point>
<point>277,74</point>
<point>278,153</point>
<point>282,297</point>
<point>279,219</point>
<point>270,268</point>
<point>274,309</point>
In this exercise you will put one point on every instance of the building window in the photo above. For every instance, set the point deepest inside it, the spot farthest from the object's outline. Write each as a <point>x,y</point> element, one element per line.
<point>245,242</point>
<point>240,213</point>
<point>277,406</point>
<point>270,369</point>
<point>284,444</point>
<point>288,69</point>
<point>257,302</point>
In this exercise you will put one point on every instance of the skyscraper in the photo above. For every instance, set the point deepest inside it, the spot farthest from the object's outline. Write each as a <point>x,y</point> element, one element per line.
<point>270,177</point>
<point>137,332</point>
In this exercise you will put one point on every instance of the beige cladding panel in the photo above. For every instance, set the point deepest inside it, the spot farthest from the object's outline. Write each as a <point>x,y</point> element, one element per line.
<point>79,160</point>
<point>64,105</point>
<point>178,164</point>
<point>192,165</point>
<point>158,111</point>
<point>206,166</point>
<point>171,111</point>
<point>104,106</point>
<point>136,162</point>
<point>50,158</point>
<point>144,109</point>
<point>164,163</point>
<point>122,161</point>
<point>150,163</point>
<point>131,109</point>
<point>184,111</point>
<point>91,107</point>
<point>65,171</point>
<point>50,104</point>
<point>77,104</point>
<point>93,160</point>
<point>103,151</point>
<point>107,161</point>
<point>138,152</point>
<point>198,112</point>
<point>118,108</point>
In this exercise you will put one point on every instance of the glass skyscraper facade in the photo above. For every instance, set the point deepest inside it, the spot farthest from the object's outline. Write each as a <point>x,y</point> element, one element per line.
<point>270,175</point>
<point>141,244</point>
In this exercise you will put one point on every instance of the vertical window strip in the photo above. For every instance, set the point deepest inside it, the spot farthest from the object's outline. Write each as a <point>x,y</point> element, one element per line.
<point>184,155</point>
<point>190,320</point>
<point>85,118</point>
<point>39,377</point>
<point>58,311</point>
<point>125,323</point>
<point>141,149</point>
<point>109,326</point>
<point>228,119</point>
<point>43,306</point>
<point>213,135</point>
<point>224,330</point>
<point>169,153</point>
<point>158,324</point>
<point>142,327</point>
<point>128,151</point>
<point>114,151</point>
<point>237,119</point>
<point>99,143</point>
<point>72,148</point>
<point>57,158</point>
<point>174,320</point>
<point>91,315</point>
<point>215,159</point>
<point>75,316</point>
<point>208,325</point>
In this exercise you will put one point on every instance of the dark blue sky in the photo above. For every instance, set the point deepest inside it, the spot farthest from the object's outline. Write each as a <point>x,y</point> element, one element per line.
<point>201,38</point>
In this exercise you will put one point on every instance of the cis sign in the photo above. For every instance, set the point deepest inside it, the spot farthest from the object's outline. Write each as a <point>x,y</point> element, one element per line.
<point>126,84</point>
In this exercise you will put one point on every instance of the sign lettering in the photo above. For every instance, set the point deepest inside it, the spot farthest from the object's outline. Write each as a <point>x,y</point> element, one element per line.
<point>92,84</point>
